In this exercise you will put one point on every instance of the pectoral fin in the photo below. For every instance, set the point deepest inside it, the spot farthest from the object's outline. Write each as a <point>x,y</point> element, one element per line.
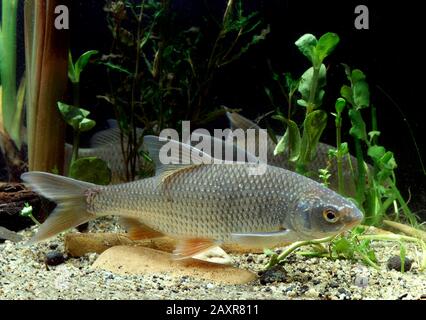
<point>265,239</point>
<point>137,230</point>
<point>188,248</point>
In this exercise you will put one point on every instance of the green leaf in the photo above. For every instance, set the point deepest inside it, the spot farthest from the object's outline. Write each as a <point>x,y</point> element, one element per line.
<point>306,45</point>
<point>92,170</point>
<point>76,117</point>
<point>81,64</point>
<point>71,69</point>
<point>116,67</point>
<point>376,152</point>
<point>290,141</point>
<point>305,84</point>
<point>358,129</point>
<point>86,124</point>
<point>313,126</point>
<point>340,105</point>
<point>346,92</point>
<point>344,148</point>
<point>326,44</point>
<point>361,94</point>
<point>343,247</point>
<point>302,103</point>
<point>357,75</point>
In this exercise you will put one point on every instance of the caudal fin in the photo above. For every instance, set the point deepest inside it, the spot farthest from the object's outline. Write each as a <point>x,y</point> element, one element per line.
<point>70,196</point>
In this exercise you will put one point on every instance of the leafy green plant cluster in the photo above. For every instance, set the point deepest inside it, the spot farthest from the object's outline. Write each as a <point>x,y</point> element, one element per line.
<point>90,169</point>
<point>161,74</point>
<point>376,190</point>
<point>356,245</point>
<point>301,146</point>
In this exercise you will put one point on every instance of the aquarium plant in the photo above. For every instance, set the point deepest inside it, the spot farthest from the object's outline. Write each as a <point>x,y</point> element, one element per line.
<point>159,76</point>
<point>11,98</point>
<point>90,169</point>
<point>376,189</point>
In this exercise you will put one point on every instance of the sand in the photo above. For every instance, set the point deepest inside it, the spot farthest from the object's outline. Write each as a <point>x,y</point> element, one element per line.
<point>24,275</point>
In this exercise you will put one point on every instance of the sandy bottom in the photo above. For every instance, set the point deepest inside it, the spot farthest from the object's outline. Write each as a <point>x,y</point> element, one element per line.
<point>24,275</point>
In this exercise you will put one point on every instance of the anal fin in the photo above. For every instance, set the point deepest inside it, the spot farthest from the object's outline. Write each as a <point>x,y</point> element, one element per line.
<point>138,230</point>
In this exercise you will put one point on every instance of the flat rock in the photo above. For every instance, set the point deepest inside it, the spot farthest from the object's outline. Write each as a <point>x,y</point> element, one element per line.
<point>79,244</point>
<point>136,260</point>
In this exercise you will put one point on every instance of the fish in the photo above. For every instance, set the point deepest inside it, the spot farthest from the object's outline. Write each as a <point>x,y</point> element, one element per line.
<point>6,234</point>
<point>201,203</point>
<point>320,161</point>
<point>106,145</point>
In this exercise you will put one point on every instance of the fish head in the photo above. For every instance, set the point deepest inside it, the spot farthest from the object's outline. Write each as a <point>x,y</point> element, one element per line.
<point>324,213</point>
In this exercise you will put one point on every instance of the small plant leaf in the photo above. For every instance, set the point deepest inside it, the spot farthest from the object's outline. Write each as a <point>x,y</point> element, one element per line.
<point>358,129</point>
<point>76,117</point>
<point>305,85</point>
<point>290,142</point>
<point>326,44</point>
<point>346,93</point>
<point>340,105</point>
<point>81,63</point>
<point>91,169</point>
<point>306,45</point>
<point>116,67</point>
<point>313,126</point>
<point>376,152</point>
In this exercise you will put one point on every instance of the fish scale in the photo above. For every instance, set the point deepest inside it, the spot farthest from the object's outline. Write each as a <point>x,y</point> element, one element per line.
<point>194,208</point>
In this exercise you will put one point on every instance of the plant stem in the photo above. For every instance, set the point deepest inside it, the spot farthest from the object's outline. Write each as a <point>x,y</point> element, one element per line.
<point>360,188</point>
<point>299,244</point>
<point>314,87</point>
<point>341,187</point>
<point>75,146</point>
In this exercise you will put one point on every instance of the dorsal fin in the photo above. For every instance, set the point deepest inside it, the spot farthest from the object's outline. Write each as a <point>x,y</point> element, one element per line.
<point>237,121</point>
<point>237,154</point>
<point>109,136</point>
<point>181,156</point>
<point>105,137</point>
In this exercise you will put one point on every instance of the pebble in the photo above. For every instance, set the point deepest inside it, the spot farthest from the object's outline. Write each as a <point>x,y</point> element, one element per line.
<point>394,263</point>
<point>273,275</point>
<point>361,281</point>
<point>54,258</point>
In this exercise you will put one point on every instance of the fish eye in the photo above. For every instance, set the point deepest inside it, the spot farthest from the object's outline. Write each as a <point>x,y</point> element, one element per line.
<point>330,215</point>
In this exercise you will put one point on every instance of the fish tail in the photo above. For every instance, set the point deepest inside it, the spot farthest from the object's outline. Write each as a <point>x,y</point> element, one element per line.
<point>70,196</point>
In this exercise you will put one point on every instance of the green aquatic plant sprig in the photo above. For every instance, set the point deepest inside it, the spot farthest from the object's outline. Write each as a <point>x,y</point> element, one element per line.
<point>356,245</point>
<point>27,211</point>
<point>311,89</point>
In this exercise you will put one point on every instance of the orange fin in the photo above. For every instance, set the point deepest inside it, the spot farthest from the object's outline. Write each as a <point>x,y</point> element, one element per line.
<point>137,230</point>
<point>187,248</point>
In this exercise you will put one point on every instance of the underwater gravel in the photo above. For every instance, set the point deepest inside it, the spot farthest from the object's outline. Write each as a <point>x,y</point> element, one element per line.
<point>24,274</point>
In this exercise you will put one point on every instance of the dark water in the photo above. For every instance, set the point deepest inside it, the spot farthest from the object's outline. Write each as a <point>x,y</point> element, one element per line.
<point>389,53</point>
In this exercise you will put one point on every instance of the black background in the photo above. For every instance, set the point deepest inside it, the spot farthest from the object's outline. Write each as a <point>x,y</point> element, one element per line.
<point>390,53</point>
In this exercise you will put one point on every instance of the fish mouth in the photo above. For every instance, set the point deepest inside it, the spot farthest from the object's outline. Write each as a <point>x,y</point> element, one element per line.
<point>352,217</point>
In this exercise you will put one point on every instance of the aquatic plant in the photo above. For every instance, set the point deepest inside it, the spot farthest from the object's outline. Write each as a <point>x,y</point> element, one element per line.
<point>11,99</point>
<point>356,245</point>
<point>46,56</point>
<point>89,169</point>
<point>27,211</point>
<point>158,74</point>
<point>376,190</point>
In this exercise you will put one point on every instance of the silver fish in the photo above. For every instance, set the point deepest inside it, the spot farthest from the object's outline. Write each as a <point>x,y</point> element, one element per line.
<point>321,161</point>
<point>106,145</point>
<point>201,205</point>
